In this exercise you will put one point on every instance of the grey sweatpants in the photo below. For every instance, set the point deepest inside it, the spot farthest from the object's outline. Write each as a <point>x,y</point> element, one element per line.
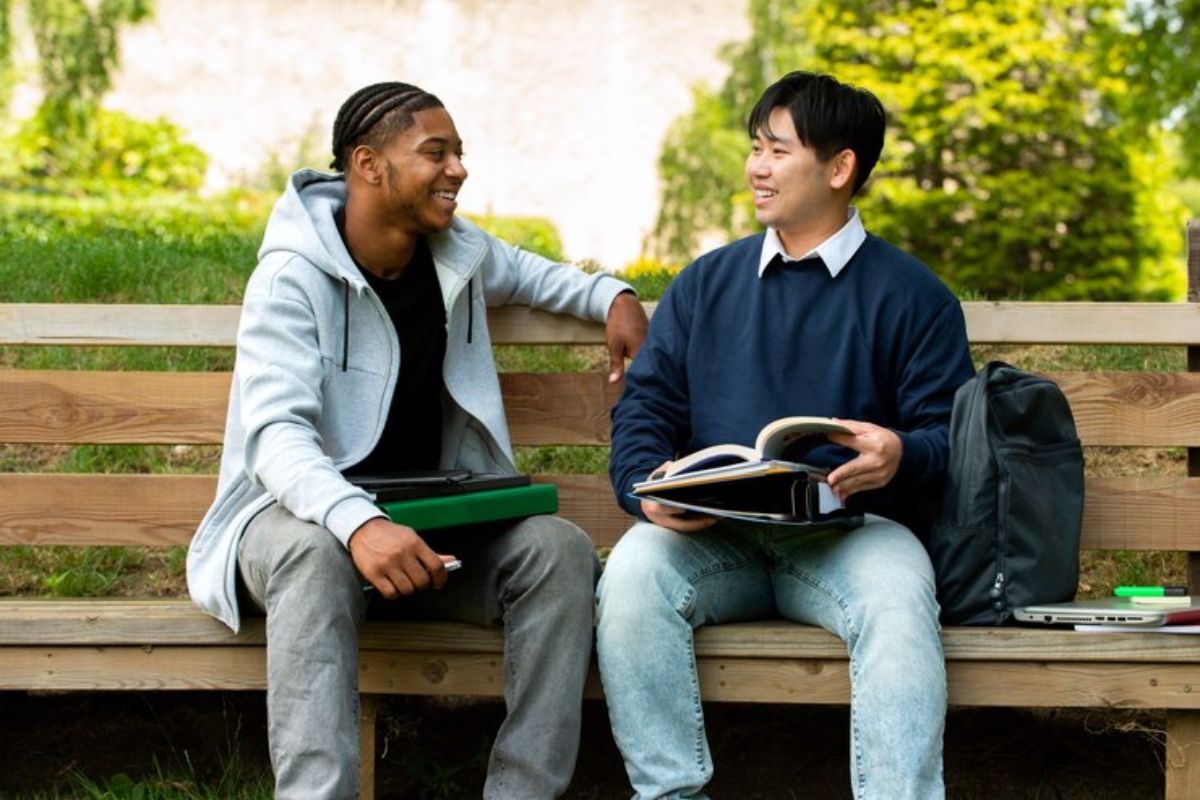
<point>535,577</point>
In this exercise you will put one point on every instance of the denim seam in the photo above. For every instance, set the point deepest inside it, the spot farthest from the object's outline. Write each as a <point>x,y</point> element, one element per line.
<point>698,715</point>
<point>715,569</point>
<point>821,586</point>
<point>510,680</point>
<point>825,589</point>
<point>685,606</point>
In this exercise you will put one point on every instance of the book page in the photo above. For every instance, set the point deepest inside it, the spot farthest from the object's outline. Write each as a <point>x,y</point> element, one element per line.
<point>777,436</point>
<point>723,474</point>
<point>719,455</point>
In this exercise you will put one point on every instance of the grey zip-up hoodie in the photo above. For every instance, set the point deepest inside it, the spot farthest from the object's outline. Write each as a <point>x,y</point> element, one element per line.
<point>317,361</point>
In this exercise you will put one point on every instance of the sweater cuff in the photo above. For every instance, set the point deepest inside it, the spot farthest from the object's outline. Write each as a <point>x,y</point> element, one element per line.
<point>349,515</point>
<point>914,459</point>
<point>605,292</point>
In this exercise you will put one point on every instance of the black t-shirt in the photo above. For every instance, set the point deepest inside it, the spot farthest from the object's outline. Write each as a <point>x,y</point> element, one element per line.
<point>412,435</point>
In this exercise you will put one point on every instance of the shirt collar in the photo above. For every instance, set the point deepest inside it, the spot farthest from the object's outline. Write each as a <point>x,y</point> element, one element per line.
<point>836,251</point>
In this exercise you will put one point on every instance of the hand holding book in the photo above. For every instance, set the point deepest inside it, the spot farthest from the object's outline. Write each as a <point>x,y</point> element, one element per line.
<point>879,452</point>
<point>672,517</point>
<point>755,484</point>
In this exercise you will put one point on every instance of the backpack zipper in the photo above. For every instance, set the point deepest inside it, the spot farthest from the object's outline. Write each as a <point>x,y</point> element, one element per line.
<point>997,593</point>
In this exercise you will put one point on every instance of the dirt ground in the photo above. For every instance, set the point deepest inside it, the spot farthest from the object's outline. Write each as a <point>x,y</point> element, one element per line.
<point>437,749</point>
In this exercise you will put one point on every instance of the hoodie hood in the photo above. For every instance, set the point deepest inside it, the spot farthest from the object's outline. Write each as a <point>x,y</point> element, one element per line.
<point>303,223</point>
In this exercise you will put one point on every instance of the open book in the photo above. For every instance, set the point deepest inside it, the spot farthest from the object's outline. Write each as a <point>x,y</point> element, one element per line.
<point>754,484</point>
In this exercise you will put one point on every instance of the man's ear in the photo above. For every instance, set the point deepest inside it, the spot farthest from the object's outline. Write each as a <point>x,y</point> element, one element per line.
<point>842,168</point>
<point>368,165</point>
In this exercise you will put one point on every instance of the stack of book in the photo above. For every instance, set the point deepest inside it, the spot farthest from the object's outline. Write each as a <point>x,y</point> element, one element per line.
<point>765,483</point>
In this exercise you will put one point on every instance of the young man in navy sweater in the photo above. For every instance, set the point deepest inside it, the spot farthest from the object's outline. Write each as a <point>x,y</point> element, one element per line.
<point>814,317</point>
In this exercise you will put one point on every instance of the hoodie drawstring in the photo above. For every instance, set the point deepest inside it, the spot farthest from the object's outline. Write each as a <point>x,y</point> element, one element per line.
<point>470,308</point>
<point>345,322</point>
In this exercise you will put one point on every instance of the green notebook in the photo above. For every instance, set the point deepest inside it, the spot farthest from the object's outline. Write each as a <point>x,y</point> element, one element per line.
<point>470,508</point>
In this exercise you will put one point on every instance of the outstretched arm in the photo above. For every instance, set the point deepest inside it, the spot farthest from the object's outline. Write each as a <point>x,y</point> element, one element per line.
<point>625,330</point>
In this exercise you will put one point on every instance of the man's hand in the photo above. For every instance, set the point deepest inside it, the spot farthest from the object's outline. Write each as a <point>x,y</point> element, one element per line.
<point>395,559</point>
<point>676,519</point>
<point>625,330</point>
<point>879,451</point>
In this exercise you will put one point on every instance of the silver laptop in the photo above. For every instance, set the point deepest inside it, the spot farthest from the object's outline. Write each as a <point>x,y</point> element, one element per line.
<point>1109,611</point>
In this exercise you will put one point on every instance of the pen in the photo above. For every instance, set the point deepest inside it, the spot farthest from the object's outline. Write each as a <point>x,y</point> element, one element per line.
<point>1151,591</point>
<point>450,567</point>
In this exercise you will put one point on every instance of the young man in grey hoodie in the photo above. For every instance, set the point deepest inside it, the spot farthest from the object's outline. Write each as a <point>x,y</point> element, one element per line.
<point>363,347</point>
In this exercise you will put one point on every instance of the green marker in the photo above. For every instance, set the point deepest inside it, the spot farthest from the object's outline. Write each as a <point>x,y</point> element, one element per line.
<point>1151,591</point>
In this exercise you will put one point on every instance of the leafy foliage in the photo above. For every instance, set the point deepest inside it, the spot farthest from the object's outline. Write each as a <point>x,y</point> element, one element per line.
<point>6,58</point>
<point>1013,167</point>
<point>78,49</point>
<point>649,277</point>
<point>1163,55</point>
<point>118,153</point>
<point>71,143</point>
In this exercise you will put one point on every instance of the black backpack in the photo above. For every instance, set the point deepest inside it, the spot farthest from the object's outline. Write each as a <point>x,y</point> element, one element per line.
<point>1007,532</point>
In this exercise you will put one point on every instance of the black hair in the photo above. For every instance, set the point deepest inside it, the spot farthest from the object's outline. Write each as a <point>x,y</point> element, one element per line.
<point>374,114</point>
<point>829,116</point>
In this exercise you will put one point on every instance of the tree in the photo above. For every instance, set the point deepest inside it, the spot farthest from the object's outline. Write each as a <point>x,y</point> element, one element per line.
<point>6,48</point>
<point>78,50</point>
<point>1014,165</point>
<point>72,143</point>
<point>1163,58</point>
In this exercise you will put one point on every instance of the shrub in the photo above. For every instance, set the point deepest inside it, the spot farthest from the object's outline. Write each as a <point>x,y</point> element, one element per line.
<point>118,153</point>
<point>649,277</point>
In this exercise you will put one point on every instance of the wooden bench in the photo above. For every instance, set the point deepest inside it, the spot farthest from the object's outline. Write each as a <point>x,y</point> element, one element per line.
<point>166,644</point>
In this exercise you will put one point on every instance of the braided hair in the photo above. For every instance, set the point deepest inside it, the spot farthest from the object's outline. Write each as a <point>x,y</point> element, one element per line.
<point>375,114</point>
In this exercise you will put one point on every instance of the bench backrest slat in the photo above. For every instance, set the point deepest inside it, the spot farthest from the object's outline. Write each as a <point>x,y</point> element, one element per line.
<point>100,407</point>
<point>1141,409</point>
<point>1153,513</point>
<point>216,326</point>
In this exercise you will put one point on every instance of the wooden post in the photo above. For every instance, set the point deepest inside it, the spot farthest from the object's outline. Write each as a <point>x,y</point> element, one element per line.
<point>1182,757</point>
<point>368,705</point>
<point>1193,365</point>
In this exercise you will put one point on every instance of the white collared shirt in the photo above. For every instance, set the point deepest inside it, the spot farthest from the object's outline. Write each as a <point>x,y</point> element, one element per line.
<point>836,251</point>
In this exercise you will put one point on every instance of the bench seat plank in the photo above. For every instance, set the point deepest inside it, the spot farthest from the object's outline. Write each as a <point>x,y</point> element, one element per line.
<point>444,672</point>
<point>165,622</point>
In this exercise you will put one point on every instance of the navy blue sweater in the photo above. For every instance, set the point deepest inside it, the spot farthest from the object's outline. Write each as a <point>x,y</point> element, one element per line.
<point>727,352</point>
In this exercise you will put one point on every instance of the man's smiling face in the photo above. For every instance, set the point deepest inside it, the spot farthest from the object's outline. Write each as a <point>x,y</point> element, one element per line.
<point>791,185</point>
<point>425,172</point>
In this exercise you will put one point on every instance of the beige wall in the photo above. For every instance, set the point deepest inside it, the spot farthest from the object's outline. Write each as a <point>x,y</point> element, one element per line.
<point>562,105</point>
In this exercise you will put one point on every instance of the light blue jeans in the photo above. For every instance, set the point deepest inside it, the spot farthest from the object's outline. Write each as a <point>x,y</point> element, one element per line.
<point>872,586</point>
